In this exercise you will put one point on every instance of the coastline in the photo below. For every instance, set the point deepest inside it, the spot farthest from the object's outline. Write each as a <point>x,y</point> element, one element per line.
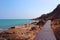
<point>7,23</point>
<point>3,29</point>
<point>26,31</point>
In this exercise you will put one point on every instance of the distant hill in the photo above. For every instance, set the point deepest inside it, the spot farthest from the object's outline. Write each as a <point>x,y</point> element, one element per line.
<point>55,14</point>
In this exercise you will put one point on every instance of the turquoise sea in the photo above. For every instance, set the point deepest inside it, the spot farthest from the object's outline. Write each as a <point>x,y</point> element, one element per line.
<point>6,23</point>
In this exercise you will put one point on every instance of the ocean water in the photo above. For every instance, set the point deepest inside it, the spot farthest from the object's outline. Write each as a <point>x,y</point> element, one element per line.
<point>6,23</point>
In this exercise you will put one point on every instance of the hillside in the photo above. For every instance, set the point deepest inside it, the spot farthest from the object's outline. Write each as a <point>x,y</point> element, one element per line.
<point>55,14</point>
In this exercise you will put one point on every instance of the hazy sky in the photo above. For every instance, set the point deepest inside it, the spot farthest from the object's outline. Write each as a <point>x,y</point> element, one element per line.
<point>23,9</point>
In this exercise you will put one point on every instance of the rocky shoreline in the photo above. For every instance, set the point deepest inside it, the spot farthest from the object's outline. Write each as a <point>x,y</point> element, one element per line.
<point>24,32</point>
<point>29,31</point>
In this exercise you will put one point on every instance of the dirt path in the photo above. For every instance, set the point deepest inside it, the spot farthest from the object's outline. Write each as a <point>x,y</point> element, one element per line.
<point>46,33</point>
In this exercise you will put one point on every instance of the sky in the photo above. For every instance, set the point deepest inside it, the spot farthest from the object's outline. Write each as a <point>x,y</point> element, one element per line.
<point>26,9</point>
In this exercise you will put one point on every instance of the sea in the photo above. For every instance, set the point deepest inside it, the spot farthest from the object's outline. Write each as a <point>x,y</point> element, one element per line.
<point>7,23</point>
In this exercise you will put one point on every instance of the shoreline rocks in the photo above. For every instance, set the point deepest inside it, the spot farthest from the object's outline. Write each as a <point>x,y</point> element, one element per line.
<point>24,32</point>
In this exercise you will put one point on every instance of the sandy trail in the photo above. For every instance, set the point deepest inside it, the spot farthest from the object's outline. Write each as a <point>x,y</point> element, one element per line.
<point>46,33</point>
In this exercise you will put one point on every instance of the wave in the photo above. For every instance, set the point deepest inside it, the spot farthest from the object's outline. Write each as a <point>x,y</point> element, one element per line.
<point>2,29</point>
